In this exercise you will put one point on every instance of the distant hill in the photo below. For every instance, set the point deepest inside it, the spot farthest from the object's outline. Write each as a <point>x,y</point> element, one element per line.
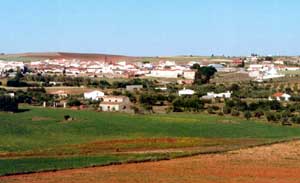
<point>33,56</point>
<point>65,55</point>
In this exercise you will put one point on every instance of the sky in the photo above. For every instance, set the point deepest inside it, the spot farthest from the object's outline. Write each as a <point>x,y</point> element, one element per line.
<point>151,27</point>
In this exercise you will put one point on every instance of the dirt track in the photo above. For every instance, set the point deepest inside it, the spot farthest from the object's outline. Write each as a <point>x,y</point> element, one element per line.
<point>279,163</point>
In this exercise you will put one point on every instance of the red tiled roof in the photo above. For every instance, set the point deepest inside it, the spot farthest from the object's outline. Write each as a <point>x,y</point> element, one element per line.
<point>278,94</point>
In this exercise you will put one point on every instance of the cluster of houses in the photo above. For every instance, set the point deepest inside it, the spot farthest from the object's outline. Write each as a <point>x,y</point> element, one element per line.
<point>164,69</point>
<point>9,67</point>
<point>268,70</point>
<point>121,69</point>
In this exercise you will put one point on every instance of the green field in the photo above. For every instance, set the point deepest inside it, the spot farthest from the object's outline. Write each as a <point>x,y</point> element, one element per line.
<point>39,139</point>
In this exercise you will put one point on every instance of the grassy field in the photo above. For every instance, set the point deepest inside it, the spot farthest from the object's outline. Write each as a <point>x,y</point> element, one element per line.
<point>30,140</point>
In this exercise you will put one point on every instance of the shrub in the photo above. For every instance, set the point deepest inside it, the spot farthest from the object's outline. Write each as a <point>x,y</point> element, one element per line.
<point>67,117</point>
<point>220,113</point>
<point>226,110</point>
<point>258,114</point>
<point>247,115</point>
<point>73,102</point>
<point>210,111</point>
<point>296,119</point>
<point>235,113</point>
<point>215,108</point>
<point>271,117</point>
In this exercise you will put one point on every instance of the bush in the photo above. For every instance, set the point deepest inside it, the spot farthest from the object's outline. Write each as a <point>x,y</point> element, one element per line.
<point>116,93</point>
<point>271,117</point>
<point>247,115</point>
<point>210,111</point>
<point>296,119</point>
<point>67,117</point>
<point>220,113</point>
<point>226,110</point>
<point>215,108</point>
<point>73,102</point>
<point>235,113</point>
<point>16,83</point>
<point>258,114</point>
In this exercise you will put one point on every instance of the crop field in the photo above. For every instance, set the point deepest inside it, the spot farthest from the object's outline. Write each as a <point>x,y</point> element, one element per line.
<point>39,139</point>
<point>265,164</point>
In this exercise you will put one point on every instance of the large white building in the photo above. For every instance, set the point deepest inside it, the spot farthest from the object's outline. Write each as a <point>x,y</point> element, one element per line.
<point>165,73</point>
<point>93,95</point>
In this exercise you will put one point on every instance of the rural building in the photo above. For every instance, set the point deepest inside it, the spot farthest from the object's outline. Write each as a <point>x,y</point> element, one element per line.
<point>185,82</point>
<point>134,87</point>
<point>189,74</point>
<point>212,95</point>
<point>60,93</point>
<point>115,103</point>
<point>93,95</point>
<point>165,73</point>
<point>280,96</point>
<point>186,92</point>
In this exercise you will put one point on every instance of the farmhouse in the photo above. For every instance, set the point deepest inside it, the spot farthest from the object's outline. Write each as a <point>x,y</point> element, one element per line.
<point>134,87</point>
<point>212,95</point>
<point>115,103</point>
<point>94,95</point>
<point>280,96</point>
<point>60,93</point>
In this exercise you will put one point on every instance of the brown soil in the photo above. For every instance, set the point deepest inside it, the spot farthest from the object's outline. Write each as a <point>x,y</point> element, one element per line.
<point>279,163</point>
<point>81,56</point>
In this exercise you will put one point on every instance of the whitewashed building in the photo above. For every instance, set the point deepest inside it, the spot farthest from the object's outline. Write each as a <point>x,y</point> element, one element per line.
<point>93,95</point>
<point>189,74</point>
<point>186,92</point>
<point>212,95</point>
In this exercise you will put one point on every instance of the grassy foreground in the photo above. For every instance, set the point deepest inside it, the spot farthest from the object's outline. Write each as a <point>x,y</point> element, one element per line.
<point>40,139</point>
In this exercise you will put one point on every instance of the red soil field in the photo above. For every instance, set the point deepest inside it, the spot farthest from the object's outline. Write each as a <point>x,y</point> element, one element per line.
<point>81,56</point>
<point>278,163</point>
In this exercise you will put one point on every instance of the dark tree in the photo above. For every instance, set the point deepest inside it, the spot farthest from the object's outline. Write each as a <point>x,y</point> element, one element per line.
<point>8,103</point>
<point>203,74</point>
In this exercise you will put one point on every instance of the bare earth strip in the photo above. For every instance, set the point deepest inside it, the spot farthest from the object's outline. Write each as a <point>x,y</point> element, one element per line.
<point>278,163</point>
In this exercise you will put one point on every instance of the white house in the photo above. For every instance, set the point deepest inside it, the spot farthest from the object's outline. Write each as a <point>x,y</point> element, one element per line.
<point>165,73</point>
<point>211,95</point>
<point>279,96</point>
<point>186,92</point>
<point>93,95</point>
<point>189,74</point>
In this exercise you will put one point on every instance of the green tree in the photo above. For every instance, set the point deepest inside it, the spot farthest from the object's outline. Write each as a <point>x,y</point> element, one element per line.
<point>203,74</point>
<point>247,115</point>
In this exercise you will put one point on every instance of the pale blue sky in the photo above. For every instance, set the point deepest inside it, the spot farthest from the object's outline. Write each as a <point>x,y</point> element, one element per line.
<point>151,27</point>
